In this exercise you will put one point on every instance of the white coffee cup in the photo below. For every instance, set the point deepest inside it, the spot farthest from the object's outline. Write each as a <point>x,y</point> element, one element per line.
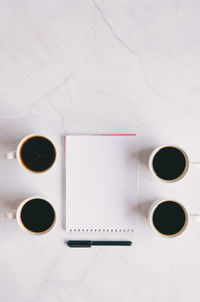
<point>151,213</point>
<point>188,216</point>
<point>188,164</point>
<point>17,154</point>
<point>16,214</point>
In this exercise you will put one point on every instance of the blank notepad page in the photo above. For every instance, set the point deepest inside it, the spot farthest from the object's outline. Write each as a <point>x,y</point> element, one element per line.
<point>101,183</point>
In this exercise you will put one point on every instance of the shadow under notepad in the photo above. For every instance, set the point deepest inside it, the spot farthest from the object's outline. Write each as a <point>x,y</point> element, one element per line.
<point>63,198</point>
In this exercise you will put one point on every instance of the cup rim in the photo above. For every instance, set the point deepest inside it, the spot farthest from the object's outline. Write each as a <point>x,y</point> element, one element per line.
<point>151,212</point>
<point>19,149</point>
<point>156,150</point>
<point>22,226</point>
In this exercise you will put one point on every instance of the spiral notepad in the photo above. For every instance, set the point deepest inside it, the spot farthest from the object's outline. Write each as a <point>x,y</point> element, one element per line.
<point>101,183</point>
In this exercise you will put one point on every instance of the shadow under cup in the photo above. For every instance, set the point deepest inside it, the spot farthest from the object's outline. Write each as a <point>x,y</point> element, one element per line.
<point>37,154</point>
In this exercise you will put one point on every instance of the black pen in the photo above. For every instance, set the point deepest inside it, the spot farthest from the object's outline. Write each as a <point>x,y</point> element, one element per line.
<point>89,243</point>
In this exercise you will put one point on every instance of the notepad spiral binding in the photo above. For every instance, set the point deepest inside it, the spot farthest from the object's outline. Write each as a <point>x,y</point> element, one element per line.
<point>102,230</point>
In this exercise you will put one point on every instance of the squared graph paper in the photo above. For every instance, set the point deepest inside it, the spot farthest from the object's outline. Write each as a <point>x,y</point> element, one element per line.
<point>101,183</point>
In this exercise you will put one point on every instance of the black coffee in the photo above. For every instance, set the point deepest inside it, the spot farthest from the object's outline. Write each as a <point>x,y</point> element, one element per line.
<point>37,215</point>
<point>38,153</point>
<point>169,218</point>
<point>169,163</point>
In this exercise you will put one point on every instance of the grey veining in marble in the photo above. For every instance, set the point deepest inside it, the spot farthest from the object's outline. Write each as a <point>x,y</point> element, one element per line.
<point>99,67</point>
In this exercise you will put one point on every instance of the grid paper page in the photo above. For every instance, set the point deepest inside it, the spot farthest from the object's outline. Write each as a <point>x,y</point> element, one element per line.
<point>101,182</point>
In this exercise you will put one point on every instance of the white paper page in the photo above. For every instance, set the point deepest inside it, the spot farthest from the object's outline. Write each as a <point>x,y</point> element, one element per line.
<point>101,183</point>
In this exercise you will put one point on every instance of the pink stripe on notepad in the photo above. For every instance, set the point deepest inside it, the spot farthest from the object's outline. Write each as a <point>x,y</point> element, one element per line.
<point>116,134</point>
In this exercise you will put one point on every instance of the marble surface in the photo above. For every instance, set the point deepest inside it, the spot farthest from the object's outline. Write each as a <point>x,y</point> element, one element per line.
<point>96,67</point>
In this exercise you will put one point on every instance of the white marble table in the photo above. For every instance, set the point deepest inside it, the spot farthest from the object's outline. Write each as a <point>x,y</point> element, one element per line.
<point>96,67</point>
